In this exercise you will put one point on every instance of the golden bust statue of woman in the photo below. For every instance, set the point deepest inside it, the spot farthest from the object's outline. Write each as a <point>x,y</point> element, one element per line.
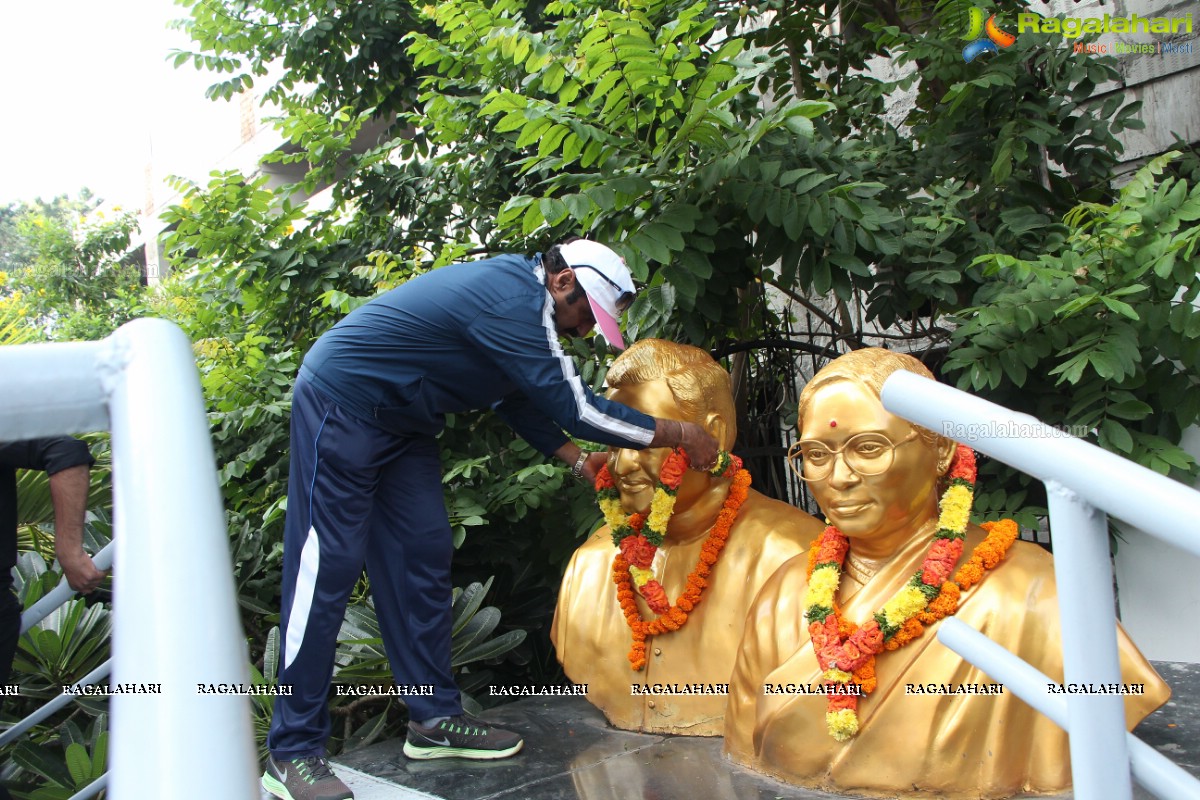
<point>858,619</point>
<point>679,684</point>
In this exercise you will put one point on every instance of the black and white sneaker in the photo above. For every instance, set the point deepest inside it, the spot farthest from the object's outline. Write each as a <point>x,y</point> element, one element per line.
<point>460,737</point>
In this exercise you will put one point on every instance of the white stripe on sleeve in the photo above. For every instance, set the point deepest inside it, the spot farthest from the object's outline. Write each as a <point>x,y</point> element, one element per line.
<point>584,410</point>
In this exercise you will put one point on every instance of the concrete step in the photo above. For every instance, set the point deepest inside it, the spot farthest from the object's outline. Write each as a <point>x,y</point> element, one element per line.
<point>572,754</point>
<point>368,787</point>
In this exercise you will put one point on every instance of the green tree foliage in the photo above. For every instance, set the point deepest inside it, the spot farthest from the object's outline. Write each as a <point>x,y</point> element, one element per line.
<point>316,54</point>
<point>639,126</point>
<point>976,158</point>
<point>1104,318</point>
<point>994,157</point>
<point>843,154</point>
<point>720,147</point>
<point>18,248</point>
<point>65,268</point>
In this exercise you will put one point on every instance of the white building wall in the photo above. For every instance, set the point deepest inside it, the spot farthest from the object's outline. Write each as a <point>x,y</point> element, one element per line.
<point>1158,591</point>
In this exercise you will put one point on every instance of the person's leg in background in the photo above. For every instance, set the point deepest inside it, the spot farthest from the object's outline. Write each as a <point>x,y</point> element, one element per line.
<point>335,463</point>
<point>408,561</point>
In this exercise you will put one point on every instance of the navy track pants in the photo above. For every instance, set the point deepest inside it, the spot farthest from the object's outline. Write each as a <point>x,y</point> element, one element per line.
<point>358,494</point>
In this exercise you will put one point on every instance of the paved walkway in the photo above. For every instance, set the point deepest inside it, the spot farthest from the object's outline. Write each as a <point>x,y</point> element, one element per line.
<point>572,754</point>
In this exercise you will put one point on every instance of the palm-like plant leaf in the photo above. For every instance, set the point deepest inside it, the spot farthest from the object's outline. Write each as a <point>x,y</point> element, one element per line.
<point>361,657</point>
<point>69,643</point>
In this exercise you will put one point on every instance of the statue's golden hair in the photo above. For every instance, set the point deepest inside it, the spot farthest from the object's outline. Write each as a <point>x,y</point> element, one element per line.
<point>699,384</point>
<point>869,368</point>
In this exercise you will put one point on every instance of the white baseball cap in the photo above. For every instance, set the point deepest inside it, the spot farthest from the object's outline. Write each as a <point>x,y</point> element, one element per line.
<point>606,281</point>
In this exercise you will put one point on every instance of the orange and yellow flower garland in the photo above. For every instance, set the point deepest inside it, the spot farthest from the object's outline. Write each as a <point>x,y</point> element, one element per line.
<point>638,537</point>
<point>846,652</point>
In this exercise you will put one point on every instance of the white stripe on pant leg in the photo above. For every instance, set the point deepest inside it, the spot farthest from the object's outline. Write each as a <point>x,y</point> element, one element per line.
<point>306,585</point>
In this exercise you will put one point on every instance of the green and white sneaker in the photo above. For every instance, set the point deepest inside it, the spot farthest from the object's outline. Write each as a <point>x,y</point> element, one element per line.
<point>304,779</point>
<point>460,737</point>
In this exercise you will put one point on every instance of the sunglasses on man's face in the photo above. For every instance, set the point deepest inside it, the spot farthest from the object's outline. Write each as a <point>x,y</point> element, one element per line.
<point>624,298</point>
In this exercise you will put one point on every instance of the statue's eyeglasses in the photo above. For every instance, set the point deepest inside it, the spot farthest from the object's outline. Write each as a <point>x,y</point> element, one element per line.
<point>865,453</point>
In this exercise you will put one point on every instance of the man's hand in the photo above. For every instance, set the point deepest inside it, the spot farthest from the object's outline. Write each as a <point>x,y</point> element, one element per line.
<point>592,466</point>
<point>80,571</point>
<point>570,453</point>
<point>701,448</point>
<point>69,491</point>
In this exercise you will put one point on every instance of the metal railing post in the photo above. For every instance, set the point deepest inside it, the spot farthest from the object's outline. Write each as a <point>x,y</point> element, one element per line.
<point>1155,503</point>
<point>52,389</point>
<point>176,623</point>
<point>1081,481</point>
<point>175,571</point>
<point>1151,768</point>
<point>1083,570</point>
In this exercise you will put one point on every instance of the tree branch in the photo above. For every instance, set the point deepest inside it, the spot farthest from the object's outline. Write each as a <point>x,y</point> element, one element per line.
<point>824,316</point>
<point>780,344</point>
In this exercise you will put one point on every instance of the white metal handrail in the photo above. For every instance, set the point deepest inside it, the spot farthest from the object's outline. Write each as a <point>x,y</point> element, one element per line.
<point>60,594</point>
<point>1151,768</point>
<point>175,621</point>
<point>1082,482</point>
<point>44,607</point>
<point>51,706</point>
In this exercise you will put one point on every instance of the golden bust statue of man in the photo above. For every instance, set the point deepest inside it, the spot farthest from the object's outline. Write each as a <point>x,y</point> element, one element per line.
<point>693,660</point>
<point>859,619</point>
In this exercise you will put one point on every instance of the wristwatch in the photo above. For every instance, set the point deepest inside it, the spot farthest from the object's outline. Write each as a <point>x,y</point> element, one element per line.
<point>577,470</point>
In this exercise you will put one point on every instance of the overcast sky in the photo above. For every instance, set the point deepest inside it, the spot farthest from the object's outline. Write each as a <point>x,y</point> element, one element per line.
<point>89,96</point>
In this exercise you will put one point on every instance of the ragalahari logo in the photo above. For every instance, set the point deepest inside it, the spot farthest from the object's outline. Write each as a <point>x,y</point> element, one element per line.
<point>986,36</point>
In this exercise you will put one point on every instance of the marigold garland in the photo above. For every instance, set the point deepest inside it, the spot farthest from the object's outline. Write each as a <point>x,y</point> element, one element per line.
<point>847,652</point>
<point>638,536</point>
